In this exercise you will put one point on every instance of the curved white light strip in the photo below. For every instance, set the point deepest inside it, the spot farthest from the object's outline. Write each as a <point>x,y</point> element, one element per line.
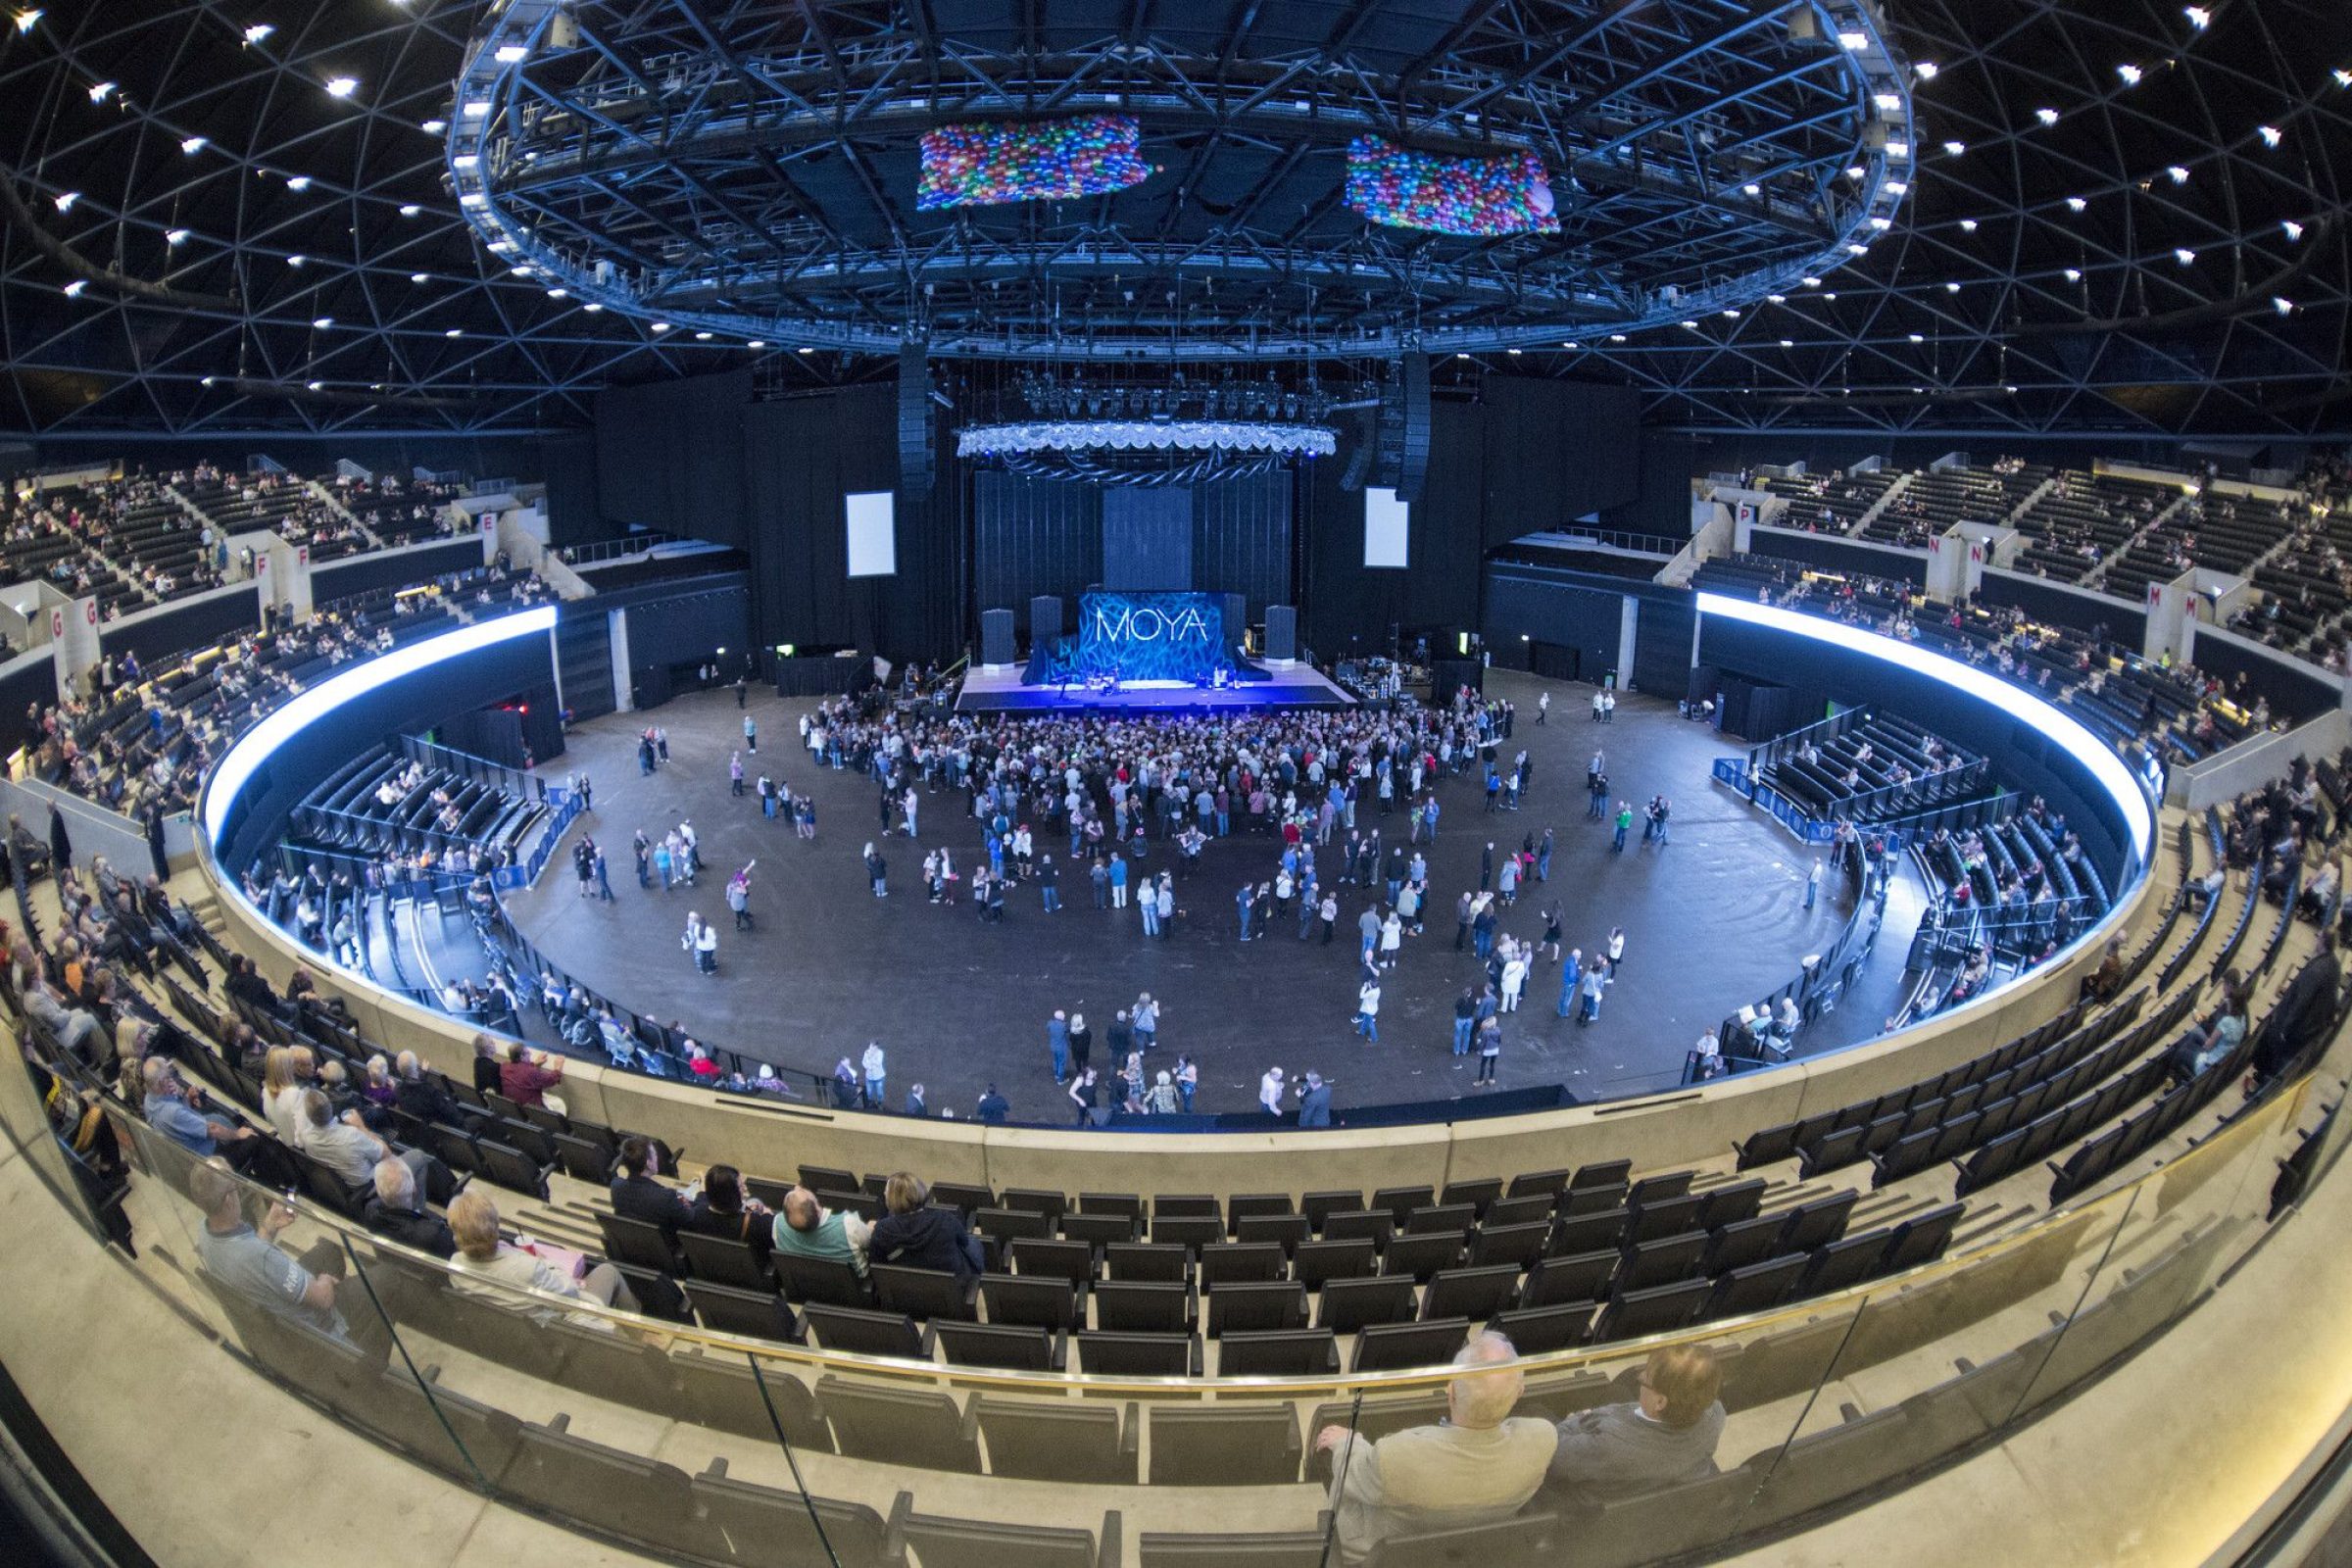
<point>2052,722</point>
<point>254,746</point>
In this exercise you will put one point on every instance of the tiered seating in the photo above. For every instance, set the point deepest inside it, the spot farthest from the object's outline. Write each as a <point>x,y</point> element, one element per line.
<point>393,512</point>
<point>279,503</point>
<point>1875,770</point>
<point>62,536</point>
<point>381,804</point>
<point>1830,503</point>
<point>2084,520</point>
<point>1932,502</point>
<point>153,536</point>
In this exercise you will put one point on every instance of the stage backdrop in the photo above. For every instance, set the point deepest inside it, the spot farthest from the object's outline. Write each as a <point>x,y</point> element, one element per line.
<point>1155,637</point>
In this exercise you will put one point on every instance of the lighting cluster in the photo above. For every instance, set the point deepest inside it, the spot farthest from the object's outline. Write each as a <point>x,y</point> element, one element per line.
<point>1508,194</point>
<point>985,162</point>
<point>1048,396</point>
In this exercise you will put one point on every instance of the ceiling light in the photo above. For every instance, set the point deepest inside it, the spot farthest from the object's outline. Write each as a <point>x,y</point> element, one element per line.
<point>1951,288</point>
<point>299,183</point>
<point>2282,305</point>
<point>2344,77</point>
<point>410,209</point>
<point>1968,225</point>
<point>2075,203</point>
<point>1731,315</point>
<point>25,19</point>
<point>2185,256</point>
<point>1788,342</point>
<point>65,200</point>
<point>1898,150</point>
<point>455,332</point>
<point>526,269</point>
<point>1830,296</point>
<point>565,293</point>
<point>75,288</point>
<point>342,87</point>
<point>1925,68</point>
<point>321,323</point>
<point>1571,343</point>
<point>1882,225</point>
<point>2048,116</point>
<point>2074,274</point>
<point>466,161</point>
<point>592,307</point>
<point>313,385</point>
<point>1953,149</point>
<point>176,236</point>
<point>2129,73</point>
<point>1775,299</point>
<point>509,53</point>
<point>501,246</point>
<point>435,127</point>
<point>1896,187</point>
<point>191,145</point>
<point>2180,174</point>
<point>474,198</point>
<point>418,277</point>
<point>663,326</point>
<point>1855,172</point>
<point>1916,338</point>
<point>1853,41</point>
<point>258,31</point>
<point>296,260</point>
<point>1751,191</point>
<point>101,91</point>
<point>805,349</point>
<point>1887,102</point>
<point>705,337</point>
<point>1812,282</point>
<point>2294,230</point>
<point>2270,135</point>
<point>2198,17</point>
<point>1693,326</point>
<point>1857,250</point>
<point>206,381</point>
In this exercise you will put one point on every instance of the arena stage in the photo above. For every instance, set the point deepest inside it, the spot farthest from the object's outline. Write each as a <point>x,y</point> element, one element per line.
<point>1000,689</point>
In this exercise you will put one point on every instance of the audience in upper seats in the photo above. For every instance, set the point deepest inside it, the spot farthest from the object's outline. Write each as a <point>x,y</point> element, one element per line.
<point>247,1259</point>
<point>482,1256</point>
<point>527,1076</point>
<point>638,1196</point>
<point>726,1212</point>
<point>489,1066</point>
<point>2302,1016</point>
<point>1666,1434</point>
<point>1480,1465</point>
<point>807,1229</point>
<point>420,1095</point>
<point>395,1211</point>
<point>914,1234</point>
<point>76,1030</point>
<point>344,1144</point>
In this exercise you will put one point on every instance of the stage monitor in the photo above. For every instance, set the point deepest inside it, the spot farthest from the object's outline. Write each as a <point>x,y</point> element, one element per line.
<point>873,537</point>
<point>1158,638</point>
<point>1386,523</point>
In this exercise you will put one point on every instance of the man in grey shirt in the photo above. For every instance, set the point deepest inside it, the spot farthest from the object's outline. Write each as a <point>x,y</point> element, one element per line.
<point>250,1263</point>
<point>1666,1436</point>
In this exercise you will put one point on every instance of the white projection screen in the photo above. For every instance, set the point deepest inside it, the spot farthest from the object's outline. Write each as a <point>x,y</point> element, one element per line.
<point>1387,523</point>
<point>873,534</point>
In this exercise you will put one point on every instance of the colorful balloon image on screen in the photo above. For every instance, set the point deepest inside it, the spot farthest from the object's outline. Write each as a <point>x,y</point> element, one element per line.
<point>1508,194</point>
<point>982,161</point>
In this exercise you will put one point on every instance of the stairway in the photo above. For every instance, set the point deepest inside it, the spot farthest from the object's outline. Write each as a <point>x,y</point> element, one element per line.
<point>1902,482</point>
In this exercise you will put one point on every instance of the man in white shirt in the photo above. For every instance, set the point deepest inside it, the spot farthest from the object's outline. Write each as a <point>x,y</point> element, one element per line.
<point>1480,1466</point>
<point>1269,1091</point>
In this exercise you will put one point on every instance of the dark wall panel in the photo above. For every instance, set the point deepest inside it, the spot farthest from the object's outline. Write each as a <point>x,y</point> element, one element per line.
<point>360,574</point>
<point>1554,452</point>
<point>1833,554</point>
<point>1241,533</point>
<point>1523,609</point>
<point>1349,607</point>
<point>2295,690</point>
<point>1662,644</point>
<point>197,624</point>
<point>1033,536</point>
<point>2124,622</point>
<point>1148,539</point>
<point>671,455</point>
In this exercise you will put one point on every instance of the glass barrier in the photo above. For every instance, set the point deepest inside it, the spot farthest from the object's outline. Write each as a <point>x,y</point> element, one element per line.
<point>1043,1418</point>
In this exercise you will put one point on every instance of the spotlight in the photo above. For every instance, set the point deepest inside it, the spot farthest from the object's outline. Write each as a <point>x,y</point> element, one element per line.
<point>454,332</point>
<point>1889,102</point>
<point>663,326</point>
<point>592,308</point>
<point>296,260</point>
<point>435,127</point>
<point>2074,274</point>
<point>66,201</point>
<point>321,323</point>
<point>1968,225</point>
<point>101,91</point>
<point>2180,174</point>
<point>2271,136</point>
<point>1853,41</point>
<point>2282,305</point>
<point>565,293</point>
<point>2048,116</point>
<point>2294,230</point>
<point>417,278</point>
<point>1925,68</point>
<point>258,31</point>
<point>410,209</point>
<point>313,385</point>
<point>176,236</point>
<point>2129,73</point>
<point>299,183</point>
<point>342,87</point>
<point>512,53</point>
<point>75,288</point>
<point>2185,256</point>
<point>2075,203</point>
<point>192,145</point>
<point>2198,17</point>
<point>25,19</point>
<point>1953,149</point>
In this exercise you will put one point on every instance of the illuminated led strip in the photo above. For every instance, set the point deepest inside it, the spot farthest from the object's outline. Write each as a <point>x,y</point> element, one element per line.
<point>255,747</point>
<point>2051,721</point>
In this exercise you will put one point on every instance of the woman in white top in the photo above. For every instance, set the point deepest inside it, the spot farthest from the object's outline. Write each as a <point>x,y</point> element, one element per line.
<point>482,1256</point>
<point>1514,979</point>
<point>1391,937</point>
<point>281,1095</point>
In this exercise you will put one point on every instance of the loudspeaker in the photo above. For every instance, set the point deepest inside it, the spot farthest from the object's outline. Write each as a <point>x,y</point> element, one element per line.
<point>1412,466</point>
<point>1045,621</point>
<point>1282,631</point>
<point>996,637</point>
<point>915,466</point>
<point>1237,621</point>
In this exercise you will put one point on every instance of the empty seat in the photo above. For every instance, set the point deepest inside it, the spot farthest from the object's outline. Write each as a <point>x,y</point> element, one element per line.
<point>1347,1305</point>
<point>1256,1307</point>
<point>1239,1262</point>
<point>899,1426</point>
<point>1237,1445</point>
<point>944,1542</point>
<point>1147,1260</point>
<point>922,1293</point>
<point>1018,1347</point>
<point>1143,1307</point>
<point>1315,1262</point>
<point>867,1333</point>
<point>1043,1303</point>
<point>1278,1353</point>
<point>1142,1356</point>
<point>1396,1347</point>
<point>1470,1292</point>
<point>1421,1257</point>
<point>1634,1313</point>
<point>1583,1278</point>
<point>724,1309</point>
<point>1534,1330</point>
<point>769,1527</point>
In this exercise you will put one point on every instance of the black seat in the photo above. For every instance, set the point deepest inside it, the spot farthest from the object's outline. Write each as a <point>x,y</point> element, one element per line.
<point>1258,1306</point>
<point>1071,1262</point>
<point>1017,1347</point>
<point>1533,1330</point>
<point>1583,1278</point>
<point>826,1280</point>
<point>633,1241</point>
<point>1239,1262</point>
<point>923,1293</point>
<point>1755,1287</point>
<point>1278,1353</point>
<point>1634,1313</point>
<point>1042,1303</point>
<point>1661,1263</point>
<point>1147,1260</point>
<point>724,1309</point>
<point>1421,1256</point>
<point>867,1333</point>
<point>726,1262</point>
<point>1470,1292</point>
<point>1349,1305</point>
<point>1187,1230</point>
<point>1143,1307</point>
<point>1396,1347</point>
<point>944,1542</point>
<point>1744,1242</point>
<point>1316,1263</point>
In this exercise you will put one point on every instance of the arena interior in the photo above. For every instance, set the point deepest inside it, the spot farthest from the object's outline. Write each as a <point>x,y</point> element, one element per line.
<point>1292,784</point>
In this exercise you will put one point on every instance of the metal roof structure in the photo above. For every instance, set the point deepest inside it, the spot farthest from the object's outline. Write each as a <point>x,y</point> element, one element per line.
<point>1970,217</point>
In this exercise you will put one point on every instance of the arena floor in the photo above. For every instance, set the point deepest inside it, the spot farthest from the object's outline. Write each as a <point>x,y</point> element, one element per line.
<point>1711,921</point>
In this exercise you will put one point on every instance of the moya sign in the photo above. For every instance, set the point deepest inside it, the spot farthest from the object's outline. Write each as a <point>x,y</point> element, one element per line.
<point>1143,623</point>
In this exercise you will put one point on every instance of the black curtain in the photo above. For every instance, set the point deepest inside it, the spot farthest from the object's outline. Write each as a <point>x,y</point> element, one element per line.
<point>1348,606</point>
<point>1148,539</point>
<point>1241,533</point>
<point>1033,536</point>
<point>1554,452</point>
<point>671,455</point>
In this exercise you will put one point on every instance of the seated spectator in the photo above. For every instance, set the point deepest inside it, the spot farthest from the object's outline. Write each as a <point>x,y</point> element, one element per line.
<point>727,1214</point>
<point>1481,1465</point>
<point>424,1097</point>
<point>482,1256</point>
<point>488,1067</point>
<point>180,1114</point>
<point>344,1144</point>
<point>75,1030</point>
<point>247,1259</point>
<point>525,1078</point>
<point>638,1196</point>
<point>398,1212</point>
<point>807,1229</point>
<point>2108,978</point>
<point>915,1235</point>
<point>1665,1436</point>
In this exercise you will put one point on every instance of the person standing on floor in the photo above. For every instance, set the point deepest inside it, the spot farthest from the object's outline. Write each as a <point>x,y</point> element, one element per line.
<point>1328,911</point>
<point>645,859</point>
<point>604,877</point>
<point>1167,897</point>
<point>1048,882</point>
<point>1118,880</point>
<point>1465,1018</point>
<point>1085,1095</point>
<point>1146,1016</point>
<point>1489,1050</point>
<point>1187,1082</point>
<point>751,736</point>
<point>735,775</point>
<point>1813,884</point>
<point>1594,979</point>
<point>1367,1011</point>
<point>739,896</point>
<point>1082,1043</point>
<point>706,948</point>
<point>1625,825</point>
<point>1270,1092</point>
<point>1616,950</point>
<point>877,872</point>
<point>1572,974</point>
<point>1057,1040</point>
<point>877,1075</point>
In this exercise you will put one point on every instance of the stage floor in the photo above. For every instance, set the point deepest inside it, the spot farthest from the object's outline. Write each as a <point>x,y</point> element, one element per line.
<point>1711,921</point>
<point>987,689</point>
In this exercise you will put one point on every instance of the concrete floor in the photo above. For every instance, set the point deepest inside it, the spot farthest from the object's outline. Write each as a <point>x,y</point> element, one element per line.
<point>1712,920</point>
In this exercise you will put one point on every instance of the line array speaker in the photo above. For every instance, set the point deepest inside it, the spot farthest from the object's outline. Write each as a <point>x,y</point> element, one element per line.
<point>916,460</point>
